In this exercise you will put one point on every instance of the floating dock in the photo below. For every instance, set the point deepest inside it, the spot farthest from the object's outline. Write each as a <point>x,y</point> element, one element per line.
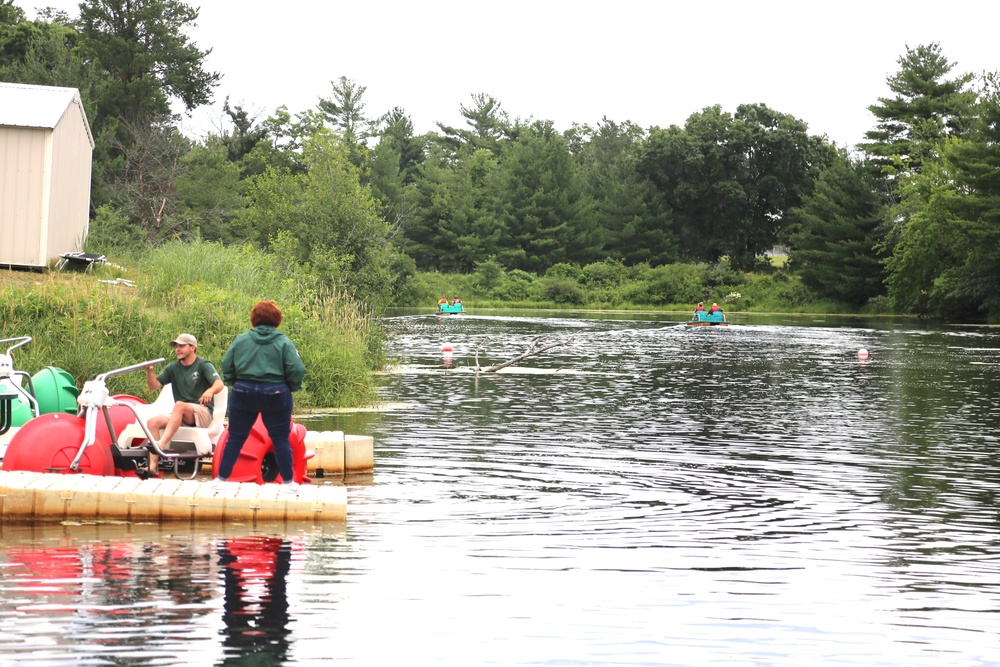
<point>28,497</point>
<point>335,453</point>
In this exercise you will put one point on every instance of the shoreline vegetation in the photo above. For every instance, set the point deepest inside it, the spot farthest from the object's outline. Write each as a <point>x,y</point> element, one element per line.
<point>611,286</point>
<point>88,323</point>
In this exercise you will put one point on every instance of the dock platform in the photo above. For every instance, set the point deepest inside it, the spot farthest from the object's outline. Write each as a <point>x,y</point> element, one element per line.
<point>29,497</point>
<point>336,453</point>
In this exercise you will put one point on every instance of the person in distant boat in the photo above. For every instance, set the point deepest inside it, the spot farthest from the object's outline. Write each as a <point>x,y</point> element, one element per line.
<point>699,312</point>
<point>715,308</point>
<point>194,382</point>
<point>456,306</point>
<point>442,302</point>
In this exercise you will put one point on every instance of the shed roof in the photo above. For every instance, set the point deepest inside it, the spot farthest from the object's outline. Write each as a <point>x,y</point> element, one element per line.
<point>24,105</point>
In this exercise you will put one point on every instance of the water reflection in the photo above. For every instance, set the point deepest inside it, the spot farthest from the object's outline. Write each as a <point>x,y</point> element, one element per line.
<point>142,594</point>
<point>255,571</point>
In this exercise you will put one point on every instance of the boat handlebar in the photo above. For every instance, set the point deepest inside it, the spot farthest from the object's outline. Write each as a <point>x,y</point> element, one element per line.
<point>129,369</point>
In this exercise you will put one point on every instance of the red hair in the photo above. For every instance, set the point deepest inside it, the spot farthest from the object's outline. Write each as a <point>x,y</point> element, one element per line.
<point>265,312</point>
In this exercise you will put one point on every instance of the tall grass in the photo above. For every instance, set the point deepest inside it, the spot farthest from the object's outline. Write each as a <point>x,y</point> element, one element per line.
<point>88,327</point>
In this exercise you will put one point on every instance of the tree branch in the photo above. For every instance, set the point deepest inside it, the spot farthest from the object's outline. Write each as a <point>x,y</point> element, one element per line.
<point>532,350</point>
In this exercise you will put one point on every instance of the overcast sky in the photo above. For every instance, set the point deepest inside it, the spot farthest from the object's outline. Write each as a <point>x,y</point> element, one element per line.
<point>653,63</point>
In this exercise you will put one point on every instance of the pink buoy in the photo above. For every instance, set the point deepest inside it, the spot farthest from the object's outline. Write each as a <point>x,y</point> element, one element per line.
<point>863,354</point>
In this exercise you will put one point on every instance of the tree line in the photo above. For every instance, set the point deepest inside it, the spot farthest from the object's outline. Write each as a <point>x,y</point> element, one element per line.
<point>906,220</point>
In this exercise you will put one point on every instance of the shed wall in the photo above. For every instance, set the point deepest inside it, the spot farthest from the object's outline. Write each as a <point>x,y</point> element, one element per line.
<point>69,192</point>
<point>22,181</point>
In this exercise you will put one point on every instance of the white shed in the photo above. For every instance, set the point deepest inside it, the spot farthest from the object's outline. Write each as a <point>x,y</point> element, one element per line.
<point>46,152</point>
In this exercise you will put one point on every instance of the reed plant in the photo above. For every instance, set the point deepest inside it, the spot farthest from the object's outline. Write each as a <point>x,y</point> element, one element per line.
<point>87,324</point>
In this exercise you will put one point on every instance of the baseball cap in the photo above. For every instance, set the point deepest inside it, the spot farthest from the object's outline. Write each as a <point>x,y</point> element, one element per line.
<point>184,339</point>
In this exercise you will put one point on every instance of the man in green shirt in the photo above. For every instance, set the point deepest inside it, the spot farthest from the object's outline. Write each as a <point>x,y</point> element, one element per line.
<point>194,382</point>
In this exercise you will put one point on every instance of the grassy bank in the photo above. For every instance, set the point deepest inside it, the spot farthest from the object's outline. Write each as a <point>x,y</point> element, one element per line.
<point>87,326</point>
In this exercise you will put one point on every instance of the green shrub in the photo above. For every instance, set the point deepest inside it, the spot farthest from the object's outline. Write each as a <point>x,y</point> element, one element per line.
<point>877,305</point>
<point>406,285</point>
<point>560,289</point>
<point>488,275</point>
<point>675,283</point>
<point>608,273</point>
<point>427,288</point>
<point>609,284</point>
<point>110,232</point>
<point>719,275</point>
<point>517,285</point>
<point>563,270</point>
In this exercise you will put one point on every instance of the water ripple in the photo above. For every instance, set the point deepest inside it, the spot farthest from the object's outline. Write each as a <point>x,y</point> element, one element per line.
<point>748,496</point>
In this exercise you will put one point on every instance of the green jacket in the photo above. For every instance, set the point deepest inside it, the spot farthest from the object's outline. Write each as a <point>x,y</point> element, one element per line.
<point>263,354</point>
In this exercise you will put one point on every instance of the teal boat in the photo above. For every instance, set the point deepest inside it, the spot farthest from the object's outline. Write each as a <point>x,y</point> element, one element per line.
<point>448,309</point>
<point>703,319</point>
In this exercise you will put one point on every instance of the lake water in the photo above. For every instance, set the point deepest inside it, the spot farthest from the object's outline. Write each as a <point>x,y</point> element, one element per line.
<point>649,495</point>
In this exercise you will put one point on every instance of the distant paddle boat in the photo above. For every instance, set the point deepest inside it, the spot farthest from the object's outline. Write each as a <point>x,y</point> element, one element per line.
<point>446,309</point>
<point>703,319</point>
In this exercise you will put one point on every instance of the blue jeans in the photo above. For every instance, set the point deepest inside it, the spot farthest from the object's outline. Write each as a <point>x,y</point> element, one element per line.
<point>273,402</point>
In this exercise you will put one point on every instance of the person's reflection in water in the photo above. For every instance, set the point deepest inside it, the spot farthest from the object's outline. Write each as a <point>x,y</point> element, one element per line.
<point>255,610</point>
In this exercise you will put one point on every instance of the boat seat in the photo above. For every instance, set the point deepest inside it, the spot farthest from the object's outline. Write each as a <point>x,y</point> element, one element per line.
<point>163,405</point>
<point>187,438</point>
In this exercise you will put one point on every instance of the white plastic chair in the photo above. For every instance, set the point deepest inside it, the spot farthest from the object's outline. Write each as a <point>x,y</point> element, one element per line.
<point>201,439</point>
<point>163,405</point>
<point>204,439</point>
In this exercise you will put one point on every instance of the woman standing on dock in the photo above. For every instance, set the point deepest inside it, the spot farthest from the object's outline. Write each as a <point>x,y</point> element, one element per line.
<point>264,368</point>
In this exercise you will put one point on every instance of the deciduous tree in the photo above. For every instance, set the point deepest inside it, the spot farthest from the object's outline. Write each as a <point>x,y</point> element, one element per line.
<point>729,180</point>
<point>329,216</point>
<point>145,58</point>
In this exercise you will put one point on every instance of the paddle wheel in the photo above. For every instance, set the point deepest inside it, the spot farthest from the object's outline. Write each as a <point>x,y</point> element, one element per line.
<point>257,463</point>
